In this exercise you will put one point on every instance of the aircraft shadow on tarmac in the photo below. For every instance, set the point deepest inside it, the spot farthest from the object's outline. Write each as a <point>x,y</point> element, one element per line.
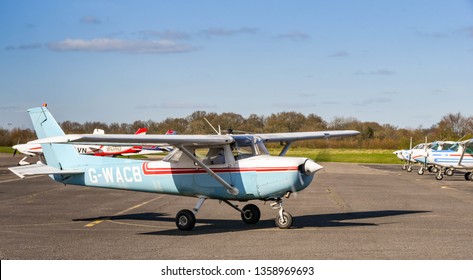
<point>212,226</point>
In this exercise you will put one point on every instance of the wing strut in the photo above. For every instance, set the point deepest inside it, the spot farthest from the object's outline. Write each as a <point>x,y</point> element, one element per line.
<point>463,154</point>
<point>231,190</point>
<point>287,145</point>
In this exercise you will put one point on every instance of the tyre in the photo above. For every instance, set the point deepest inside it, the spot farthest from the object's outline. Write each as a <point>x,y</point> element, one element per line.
<point>251,214</point>
<point>469,176</point>
<point>285,221</point>
<point>420,171</point>
<point>409,168</point>
<point>449,172</point>
<point>185,220</point>
<point>439,176</point>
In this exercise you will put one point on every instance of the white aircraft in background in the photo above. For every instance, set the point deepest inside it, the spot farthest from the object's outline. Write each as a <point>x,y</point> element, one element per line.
<point>419,154</point>
<point>32,149</point>
<point>223,167</point>
<point>459,156</point>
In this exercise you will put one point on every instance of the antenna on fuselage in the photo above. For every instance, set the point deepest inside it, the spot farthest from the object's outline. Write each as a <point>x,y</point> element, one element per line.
<point>219,132</point>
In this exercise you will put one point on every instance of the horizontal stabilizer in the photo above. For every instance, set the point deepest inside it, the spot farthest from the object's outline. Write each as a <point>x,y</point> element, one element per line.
<point>42,169</point>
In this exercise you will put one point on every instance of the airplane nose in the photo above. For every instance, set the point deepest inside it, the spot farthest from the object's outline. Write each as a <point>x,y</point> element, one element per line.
<point>310,167</point>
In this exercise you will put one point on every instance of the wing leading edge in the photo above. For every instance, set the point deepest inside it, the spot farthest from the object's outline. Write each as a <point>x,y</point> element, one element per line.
<point>176,140</point>
<point>299,136</point>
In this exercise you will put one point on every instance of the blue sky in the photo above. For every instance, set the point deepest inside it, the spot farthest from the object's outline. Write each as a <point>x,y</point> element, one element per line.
<point>405,63</point>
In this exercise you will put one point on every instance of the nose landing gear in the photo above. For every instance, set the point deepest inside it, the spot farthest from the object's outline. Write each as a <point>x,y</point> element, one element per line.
<point>283,219</point>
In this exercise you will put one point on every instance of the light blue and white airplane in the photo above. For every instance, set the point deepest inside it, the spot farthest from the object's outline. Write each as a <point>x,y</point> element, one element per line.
<point>224,167</point>
<point>458,156</point>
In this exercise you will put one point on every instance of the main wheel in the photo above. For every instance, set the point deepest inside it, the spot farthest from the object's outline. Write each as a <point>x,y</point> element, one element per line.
<point>439,176</point>
<point>251,214</point>
<point>469,176</point>
<point>185,220</point>
<point>409,168</point>
<point>420,171</point>
<point>285,221</point>
<point>449,172</point>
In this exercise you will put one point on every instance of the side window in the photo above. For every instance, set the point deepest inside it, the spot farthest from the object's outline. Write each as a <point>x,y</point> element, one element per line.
<point>210,156</point>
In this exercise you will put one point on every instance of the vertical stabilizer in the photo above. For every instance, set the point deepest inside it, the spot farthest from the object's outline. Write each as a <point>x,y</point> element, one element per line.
<point>44,124</point>
<point>57,155</point>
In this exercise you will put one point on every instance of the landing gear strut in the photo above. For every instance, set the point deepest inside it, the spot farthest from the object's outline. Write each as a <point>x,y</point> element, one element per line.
<point>250,214</point>
<point>283,219</point>
<point>185,219</point>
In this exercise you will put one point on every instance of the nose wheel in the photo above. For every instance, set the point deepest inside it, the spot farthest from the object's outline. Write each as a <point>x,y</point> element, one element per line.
<point>283,219</point>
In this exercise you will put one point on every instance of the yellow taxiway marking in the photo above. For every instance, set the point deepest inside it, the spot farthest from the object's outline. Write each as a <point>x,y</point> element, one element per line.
<point>96,222</point>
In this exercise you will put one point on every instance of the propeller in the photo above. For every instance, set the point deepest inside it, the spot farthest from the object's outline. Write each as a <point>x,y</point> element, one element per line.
<point>15,149</point>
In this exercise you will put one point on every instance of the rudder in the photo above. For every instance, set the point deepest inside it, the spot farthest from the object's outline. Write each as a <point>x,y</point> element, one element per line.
<point>57,155</point>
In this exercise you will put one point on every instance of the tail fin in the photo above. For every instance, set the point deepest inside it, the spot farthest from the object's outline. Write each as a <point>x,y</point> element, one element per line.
<point>142,130</point>
<point>57,155</point>
<point>44,124</point>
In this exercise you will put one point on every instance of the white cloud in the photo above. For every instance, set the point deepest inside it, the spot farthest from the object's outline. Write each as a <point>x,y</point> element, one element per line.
<point>340,54</point>
<point>90,20</point>
<point>294,36</point>
<point>381,72</point>
<point>167,34</point>
<point>225,32</point>
<point>122,46</point>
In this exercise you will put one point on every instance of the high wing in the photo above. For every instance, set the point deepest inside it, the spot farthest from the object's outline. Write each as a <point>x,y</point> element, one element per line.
<point>42,169</point>
<point>176,140</point>
<point>136,140</point>
<point>287,138</point>
<point>298,136</point>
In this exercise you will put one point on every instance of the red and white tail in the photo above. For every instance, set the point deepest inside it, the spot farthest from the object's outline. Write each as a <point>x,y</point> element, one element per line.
<point>142,130</point>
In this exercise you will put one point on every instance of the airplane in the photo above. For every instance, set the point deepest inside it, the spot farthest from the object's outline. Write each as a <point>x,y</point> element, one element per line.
<point>459,156</point>
<point>223,167</point>
<point>31,149</point>
<point>422,156</point>
<point>419,154</point>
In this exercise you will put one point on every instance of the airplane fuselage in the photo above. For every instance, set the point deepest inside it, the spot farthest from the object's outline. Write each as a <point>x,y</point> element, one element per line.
<point>261,177</point>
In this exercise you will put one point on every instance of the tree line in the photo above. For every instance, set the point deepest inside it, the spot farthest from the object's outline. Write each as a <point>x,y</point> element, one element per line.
<point>372,134</point>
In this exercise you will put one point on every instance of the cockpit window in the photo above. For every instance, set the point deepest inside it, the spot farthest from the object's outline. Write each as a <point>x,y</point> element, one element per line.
<point>248,146</point>
<point>454,147</point>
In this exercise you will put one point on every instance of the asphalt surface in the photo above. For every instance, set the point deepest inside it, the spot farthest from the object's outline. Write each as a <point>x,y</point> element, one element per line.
<point>350,211</point>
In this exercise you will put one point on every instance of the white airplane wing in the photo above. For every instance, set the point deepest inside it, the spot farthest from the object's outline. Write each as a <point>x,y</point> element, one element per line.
<point>137,140</point>
<point>41,169</point>
<point>298,136</point>
<point>195,140</point>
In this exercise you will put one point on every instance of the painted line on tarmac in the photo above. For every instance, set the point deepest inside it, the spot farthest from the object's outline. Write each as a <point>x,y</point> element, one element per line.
<point>96,222</point>
<point>18,179</point>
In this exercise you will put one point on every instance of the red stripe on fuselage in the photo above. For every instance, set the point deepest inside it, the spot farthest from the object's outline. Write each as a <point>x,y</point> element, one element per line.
<point>166,171</point>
